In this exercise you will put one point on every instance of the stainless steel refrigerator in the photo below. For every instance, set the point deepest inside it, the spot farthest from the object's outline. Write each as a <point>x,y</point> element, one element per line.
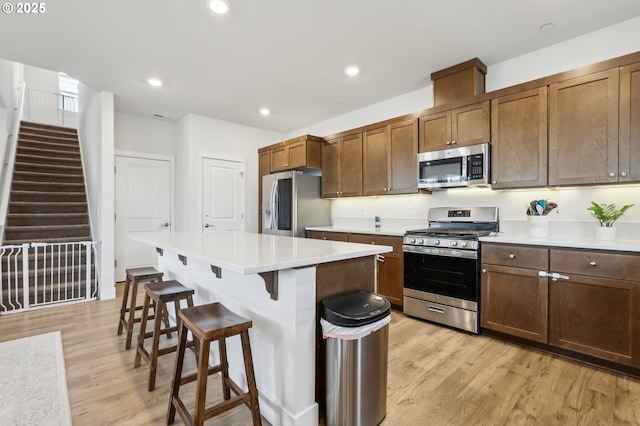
<point>292,201</point>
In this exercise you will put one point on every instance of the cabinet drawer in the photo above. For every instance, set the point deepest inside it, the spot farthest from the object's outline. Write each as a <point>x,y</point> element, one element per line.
<point>517,256</point>
<point>383,240</point>
<point>596,264</point>
<point>331,236</point>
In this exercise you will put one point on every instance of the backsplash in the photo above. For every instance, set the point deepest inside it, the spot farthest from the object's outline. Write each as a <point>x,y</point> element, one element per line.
<point>572,219</point>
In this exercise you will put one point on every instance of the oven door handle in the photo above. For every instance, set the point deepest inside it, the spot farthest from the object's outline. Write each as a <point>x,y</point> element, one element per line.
<point>435,251</point>
<point>436,309</point>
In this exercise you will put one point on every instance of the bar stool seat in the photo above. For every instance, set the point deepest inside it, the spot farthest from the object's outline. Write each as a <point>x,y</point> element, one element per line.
<point>160,293</point>
<point>129,308</point>
<point>208,323</point>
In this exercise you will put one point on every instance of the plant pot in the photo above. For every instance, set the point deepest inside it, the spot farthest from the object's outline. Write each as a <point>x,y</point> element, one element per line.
<point>605,233</point>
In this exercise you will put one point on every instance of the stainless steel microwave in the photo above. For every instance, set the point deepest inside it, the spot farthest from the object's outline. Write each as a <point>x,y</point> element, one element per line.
<point>454,167</point>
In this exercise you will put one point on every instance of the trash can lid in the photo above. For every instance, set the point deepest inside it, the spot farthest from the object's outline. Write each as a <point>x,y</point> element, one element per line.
<point>355,308</point>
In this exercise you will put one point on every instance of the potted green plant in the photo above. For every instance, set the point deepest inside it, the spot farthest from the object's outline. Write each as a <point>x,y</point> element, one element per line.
<point>607,214</point>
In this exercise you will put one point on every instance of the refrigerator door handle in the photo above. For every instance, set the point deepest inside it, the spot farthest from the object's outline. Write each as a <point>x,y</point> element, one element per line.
<point>274,204</point>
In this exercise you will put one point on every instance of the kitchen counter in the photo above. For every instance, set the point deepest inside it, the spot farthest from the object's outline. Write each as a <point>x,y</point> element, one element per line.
<point>249,253</point>
<point>585,243</point>
<point>384,230</point>
<point>276,282</point>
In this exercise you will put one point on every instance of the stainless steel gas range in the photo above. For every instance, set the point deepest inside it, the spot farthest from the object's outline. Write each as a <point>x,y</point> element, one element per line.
<point>442,266</point>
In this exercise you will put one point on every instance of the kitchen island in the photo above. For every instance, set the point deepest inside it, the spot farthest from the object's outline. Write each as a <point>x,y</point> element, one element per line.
<point>277,282</point>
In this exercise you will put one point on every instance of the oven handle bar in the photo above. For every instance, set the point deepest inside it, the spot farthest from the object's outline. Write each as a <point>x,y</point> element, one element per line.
<point>436,251</point>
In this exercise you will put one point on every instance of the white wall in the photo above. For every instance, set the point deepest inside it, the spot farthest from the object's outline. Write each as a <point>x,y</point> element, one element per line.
<point>574,219</point>
<point>144,134</point>
<point>200,136</point>
<point>41,79</point>
<point>10,74</point>
<point>96,132</point>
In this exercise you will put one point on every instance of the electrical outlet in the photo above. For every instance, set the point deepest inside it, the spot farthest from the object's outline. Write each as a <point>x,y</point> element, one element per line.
<point>411,211</point>
<point>557,212</point>
<point>362,212</point>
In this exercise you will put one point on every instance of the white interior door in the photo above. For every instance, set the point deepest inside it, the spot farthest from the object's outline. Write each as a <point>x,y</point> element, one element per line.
<point>223,194</point>
<point>143,203</point>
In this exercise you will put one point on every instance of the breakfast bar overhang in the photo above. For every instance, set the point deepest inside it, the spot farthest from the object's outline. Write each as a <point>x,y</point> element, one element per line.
<point>277,282</point>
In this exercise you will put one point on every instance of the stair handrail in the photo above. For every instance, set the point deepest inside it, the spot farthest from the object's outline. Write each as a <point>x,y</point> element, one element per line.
<point>9,157</point>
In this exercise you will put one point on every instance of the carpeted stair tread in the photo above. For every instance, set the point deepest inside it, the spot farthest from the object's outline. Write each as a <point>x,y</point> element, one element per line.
<point>39,151</point>
<point>36,143</point>
<point>65,169</point>
<point>40,176</point>
<point>72,161</point>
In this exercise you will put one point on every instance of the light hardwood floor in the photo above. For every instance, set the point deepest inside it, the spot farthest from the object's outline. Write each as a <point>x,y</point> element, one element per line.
<point>436,376</point>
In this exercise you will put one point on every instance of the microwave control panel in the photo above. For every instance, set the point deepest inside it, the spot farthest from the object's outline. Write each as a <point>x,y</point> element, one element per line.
<point>476,166</point>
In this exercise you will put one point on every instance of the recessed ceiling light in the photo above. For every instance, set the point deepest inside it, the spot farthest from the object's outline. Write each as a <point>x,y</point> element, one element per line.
<point>546,27</point>
<point>218,6</point>
<point>265,111</point>
<point>155,82</point>
<point>352,70</point>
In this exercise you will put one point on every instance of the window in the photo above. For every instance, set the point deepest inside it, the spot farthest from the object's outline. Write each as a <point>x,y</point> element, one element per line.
<point>68,93</point>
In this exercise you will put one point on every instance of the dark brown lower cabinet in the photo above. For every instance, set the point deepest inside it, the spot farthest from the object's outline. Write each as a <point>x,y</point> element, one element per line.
<point>590,306</point>
<point>514,301</point>
<point>595,316</point>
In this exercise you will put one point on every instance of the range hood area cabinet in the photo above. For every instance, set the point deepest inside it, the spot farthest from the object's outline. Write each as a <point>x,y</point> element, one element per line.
<point>462,126</point>
<point>342,166</point>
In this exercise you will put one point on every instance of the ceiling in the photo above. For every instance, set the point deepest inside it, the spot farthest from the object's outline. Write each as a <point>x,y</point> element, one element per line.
<point>286,55</point>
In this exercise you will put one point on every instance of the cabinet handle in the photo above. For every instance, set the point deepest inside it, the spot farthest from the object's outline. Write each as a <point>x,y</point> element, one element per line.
<point>612,174</point>
<point>453,142</point>
<point>594,264</point>
<point>493,182</point>
<point>380,258</point>
<point>484,271</point>
<point>448,142</point>
<point>623,174</point>
<point>512,256</point>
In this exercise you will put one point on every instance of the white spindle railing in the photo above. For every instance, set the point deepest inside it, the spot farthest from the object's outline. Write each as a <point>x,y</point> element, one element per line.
<point>39,275</point>
<point>51,108</point>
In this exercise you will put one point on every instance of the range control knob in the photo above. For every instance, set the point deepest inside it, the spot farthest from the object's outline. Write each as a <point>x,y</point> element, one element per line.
<point>412,240</point>
<point>420,241</point>
<point>463,244</point>
<point>454,243</point>
<point>436,242</point>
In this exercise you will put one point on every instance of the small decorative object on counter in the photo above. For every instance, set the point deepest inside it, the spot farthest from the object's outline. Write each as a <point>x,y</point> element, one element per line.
<point>537,219</point>
<point>607,214</point>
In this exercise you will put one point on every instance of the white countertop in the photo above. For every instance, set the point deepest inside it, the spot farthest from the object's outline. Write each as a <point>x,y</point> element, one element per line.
<point>581,243</point>
<point>384,230</point>
<point>249,253</point>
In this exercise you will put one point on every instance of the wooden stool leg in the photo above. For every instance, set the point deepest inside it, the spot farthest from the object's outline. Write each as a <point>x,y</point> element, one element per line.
<point>161,308</point>
<point>143,328</point>
<point>132,313</point>
<point>224,368</point>
<point>177,372</point>
<point>201,382</point>
<point>251,378</point>
<point>123,308</point>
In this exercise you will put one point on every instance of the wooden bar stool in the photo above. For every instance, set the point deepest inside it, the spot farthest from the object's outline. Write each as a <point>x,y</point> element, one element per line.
<point>128,309</point>
<point>208,323</point>
<point>160,293</point>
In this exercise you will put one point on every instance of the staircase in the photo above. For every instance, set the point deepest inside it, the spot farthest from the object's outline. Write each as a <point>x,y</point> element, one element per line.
<point>47,212</point>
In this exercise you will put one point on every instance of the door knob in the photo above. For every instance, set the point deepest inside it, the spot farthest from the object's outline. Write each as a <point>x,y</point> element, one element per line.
<point>165,225</point>
<point>206,225</point>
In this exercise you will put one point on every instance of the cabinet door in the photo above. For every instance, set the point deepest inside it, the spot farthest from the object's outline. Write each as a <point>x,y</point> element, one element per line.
<point>279,158</point>
<point>629,161</point>
<point>391,276</point>
<point>514,301</point>
<point>596,316</point>
<point>331,168</point>
<point>470,124</point>
<point>297,155</point>
<point>435,131</point>
<point>403,140</point>
<point>519,140</point>
<point>351,165</point>
<point>375,176</point>
<point>583,130</point>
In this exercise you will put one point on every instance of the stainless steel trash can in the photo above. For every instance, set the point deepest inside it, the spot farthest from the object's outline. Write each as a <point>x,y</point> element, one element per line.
<point>357,330</point>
